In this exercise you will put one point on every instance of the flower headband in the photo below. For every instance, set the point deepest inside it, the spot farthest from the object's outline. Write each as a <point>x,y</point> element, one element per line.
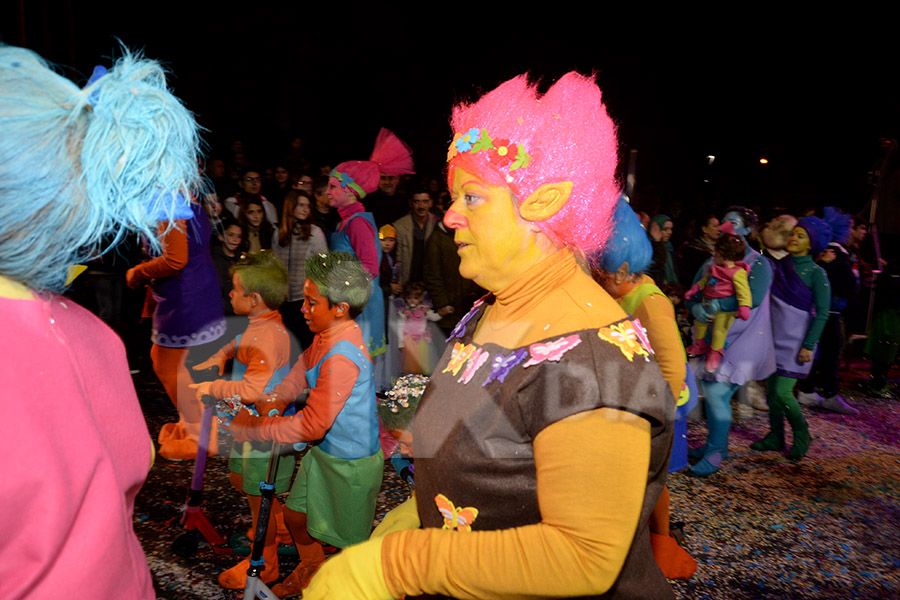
<point>346,181</point>
<point>501,152</point>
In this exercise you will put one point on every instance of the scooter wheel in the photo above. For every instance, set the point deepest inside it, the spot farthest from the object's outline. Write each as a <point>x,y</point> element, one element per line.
<point>185,545</point>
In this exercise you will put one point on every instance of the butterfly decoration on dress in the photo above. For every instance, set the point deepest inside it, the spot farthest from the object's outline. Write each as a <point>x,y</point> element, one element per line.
<point>502,365</point>
<point>461,325</point>
<point>551,350</point>
<point>458,356</point>
<point>625,336</point>
<point>642,336</point>
<point>477,359</point>
<point>460,519</point>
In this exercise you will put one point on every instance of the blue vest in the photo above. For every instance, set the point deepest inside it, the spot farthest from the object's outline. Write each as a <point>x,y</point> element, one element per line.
<point>354,433</point>
<point>371,320</point>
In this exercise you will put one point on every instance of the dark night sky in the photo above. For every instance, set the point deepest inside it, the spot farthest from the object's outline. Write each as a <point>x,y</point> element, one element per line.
<point>812,97</point>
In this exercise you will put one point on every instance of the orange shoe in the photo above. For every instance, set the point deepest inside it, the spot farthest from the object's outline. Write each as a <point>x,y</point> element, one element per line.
<point>673,560</point>
<point>235,578</point>
<point>185,449</point>
<point>296,582</point>
<point>178,441</point>
<point>170,431</point>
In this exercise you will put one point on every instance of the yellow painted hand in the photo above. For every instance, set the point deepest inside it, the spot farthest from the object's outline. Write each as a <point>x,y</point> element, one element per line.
<point>354,574</point>
<point>405,516</point>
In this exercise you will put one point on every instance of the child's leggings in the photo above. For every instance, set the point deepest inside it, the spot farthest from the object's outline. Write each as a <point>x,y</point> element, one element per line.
<point>782,404</point>
<point>720,326</point>
<point>169,366</point>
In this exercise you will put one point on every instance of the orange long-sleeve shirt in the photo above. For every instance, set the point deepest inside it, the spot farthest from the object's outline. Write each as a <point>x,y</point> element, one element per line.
<point>264,347</point>
<point>337,376</point>
<point>174,255</point>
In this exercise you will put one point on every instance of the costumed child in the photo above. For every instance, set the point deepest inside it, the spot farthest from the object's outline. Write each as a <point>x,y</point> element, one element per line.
<point>799,286</point>
<point>414,311</point>
<point>349,183</point>
<point>396,409</point>
<point>333,495</point>
<point>80,168</point>
<point>619,269</point>
<point>389,271</point>
<point>260,360</point>
<point>726,277</point>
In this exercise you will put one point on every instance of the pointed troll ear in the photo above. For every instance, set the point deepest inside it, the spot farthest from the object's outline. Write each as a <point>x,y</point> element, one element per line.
<point>545,201</point>
<point>621,273</point>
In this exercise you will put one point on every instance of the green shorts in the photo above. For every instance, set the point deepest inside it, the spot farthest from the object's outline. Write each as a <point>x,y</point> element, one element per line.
<point>251,461</point>
<point>337,495</point>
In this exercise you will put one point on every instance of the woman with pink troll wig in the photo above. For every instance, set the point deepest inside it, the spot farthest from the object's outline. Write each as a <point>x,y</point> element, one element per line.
<point>543,439</point>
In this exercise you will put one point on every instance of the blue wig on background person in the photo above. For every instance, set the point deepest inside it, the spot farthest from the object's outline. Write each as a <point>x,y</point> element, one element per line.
<point>77,164</point>
<point>627,242</point>
<point>840,223</point>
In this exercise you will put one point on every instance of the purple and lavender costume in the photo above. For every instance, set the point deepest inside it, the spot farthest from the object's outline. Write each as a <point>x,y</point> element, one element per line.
<point>189,304</point>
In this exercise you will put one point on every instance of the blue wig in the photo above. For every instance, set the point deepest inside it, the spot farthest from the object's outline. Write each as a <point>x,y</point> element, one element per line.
<point>840,223</point>
<point>627,242</point>
<point>79,164</point>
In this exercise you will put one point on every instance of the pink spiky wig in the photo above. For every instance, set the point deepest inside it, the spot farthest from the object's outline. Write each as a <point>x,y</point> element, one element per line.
<point>391,156</point>
<point>513,137</point>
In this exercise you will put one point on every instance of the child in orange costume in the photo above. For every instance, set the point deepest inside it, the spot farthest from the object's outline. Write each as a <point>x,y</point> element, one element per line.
<point>333,496</point>
<point>260,356</point>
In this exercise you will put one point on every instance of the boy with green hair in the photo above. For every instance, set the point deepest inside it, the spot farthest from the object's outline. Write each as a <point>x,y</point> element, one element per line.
<point>261,354</point>
<point>333,496</point>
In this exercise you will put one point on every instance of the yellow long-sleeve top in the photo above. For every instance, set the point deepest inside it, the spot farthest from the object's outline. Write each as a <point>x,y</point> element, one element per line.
<point>597,471</point>
<point>657,315</point>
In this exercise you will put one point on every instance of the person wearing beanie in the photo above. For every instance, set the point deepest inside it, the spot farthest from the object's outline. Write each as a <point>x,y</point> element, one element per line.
<point>835,260</point>
<point>799,286</point>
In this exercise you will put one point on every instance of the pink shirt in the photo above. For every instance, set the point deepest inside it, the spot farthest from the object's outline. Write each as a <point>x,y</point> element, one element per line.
<point>76,452</point>
<point>362,237</point>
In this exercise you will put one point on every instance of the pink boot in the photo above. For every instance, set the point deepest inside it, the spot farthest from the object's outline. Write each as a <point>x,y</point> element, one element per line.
<point>698,348</point>
<point>713,359</point>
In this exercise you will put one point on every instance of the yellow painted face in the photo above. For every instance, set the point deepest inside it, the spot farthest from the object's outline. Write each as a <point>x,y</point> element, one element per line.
<point>798,243</point>
<point>494,243</point>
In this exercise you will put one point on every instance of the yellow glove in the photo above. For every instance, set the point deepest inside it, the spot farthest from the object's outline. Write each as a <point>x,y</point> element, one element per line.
<point>354,574</point>
<point>405,516</point>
